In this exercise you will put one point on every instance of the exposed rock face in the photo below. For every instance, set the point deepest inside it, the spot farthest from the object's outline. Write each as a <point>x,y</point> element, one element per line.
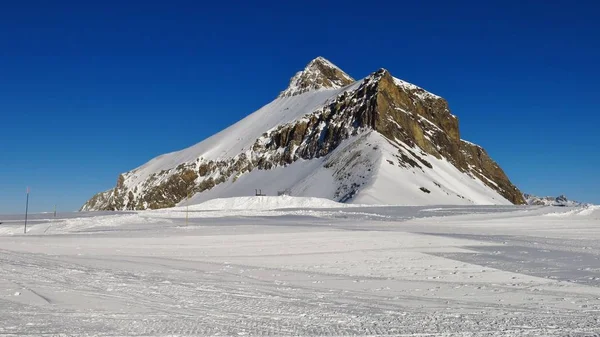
<point>479,163</point>
<point>100,201</point>
<point>318,74</point>
<point>414,121</point>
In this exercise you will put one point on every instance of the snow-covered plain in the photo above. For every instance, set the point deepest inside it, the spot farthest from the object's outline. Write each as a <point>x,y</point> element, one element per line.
<point>409,271</point>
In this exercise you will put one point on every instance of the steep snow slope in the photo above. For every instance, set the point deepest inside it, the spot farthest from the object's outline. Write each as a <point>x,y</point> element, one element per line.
<point>239,137</point>
<point>393,183</point>
<point>364,169</point>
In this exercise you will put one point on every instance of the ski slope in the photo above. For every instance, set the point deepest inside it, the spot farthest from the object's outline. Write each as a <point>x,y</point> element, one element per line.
<point>410,271</point>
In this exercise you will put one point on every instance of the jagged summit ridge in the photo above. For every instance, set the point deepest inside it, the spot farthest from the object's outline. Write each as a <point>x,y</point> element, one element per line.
<point>318,74</point>
<point>561,200</point>
<point>420,92</point>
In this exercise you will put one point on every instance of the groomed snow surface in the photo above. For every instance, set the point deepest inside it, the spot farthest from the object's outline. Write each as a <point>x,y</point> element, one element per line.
<point>266,203</point>
<point>288,266</point>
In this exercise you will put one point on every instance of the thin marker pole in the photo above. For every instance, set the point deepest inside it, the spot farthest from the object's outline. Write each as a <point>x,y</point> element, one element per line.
<point>55,211</point>
<point>26,211</point>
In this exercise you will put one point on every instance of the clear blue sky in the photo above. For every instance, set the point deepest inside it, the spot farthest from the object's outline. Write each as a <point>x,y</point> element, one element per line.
<point>90,89</point>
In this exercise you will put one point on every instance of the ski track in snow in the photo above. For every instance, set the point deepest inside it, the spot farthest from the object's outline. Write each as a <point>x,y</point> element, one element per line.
<point>407,271</point>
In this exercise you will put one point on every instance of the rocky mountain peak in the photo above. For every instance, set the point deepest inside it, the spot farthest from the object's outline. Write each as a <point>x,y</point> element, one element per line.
<point>561,200</point>
<point>318,74</point>
<point>351,141</point>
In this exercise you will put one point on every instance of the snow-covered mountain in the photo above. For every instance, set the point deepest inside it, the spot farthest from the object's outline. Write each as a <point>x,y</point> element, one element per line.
<point>550,201</point>
<point>378,140</point>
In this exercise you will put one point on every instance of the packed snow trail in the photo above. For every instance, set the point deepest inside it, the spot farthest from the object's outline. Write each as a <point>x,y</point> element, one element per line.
<point>495,271</point>
<point>266,203</point>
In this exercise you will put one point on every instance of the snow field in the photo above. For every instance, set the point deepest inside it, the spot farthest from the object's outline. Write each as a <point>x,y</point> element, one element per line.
<point>410,271</point>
